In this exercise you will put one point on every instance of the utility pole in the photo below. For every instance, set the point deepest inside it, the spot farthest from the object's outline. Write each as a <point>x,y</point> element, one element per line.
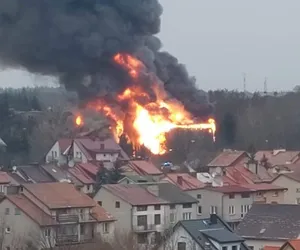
<point>244,82</point>
<point>265,86</point>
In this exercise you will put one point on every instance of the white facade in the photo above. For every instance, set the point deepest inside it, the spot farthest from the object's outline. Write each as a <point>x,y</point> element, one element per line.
<point>55,155</point>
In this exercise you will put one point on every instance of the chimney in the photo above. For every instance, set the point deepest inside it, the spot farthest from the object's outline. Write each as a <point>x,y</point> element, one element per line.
<point>213,219</point>
<point>179,180</point>
<point>153,189</point>
<point>102,146</point>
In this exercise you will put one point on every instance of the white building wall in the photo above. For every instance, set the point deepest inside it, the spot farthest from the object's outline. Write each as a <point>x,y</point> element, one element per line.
<point>107,157</point>
<point>78,154</point>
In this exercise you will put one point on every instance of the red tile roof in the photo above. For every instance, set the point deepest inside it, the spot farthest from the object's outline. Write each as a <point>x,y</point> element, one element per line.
<point>90,168</point>
<point>59,195</point>
<point>31,210</point>
<point>4,178</point>
<point>184,181</point>
<point>144,167</point>
<point>100,214</point>
<point>227,158</point>
<point>277,157</point>
<point>230,189</point>
<point>271,248</point>
<point>64,144</point>
<point>263,187</point>
<point>90,147</point>
<point>295,244</point>
<point>133,194</point>
<point>82,176</point>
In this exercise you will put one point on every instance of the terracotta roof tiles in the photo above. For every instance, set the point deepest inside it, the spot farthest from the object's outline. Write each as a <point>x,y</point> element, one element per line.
<point>100,214</point>
<point>227,158</point>
<point>64,144</point>
<point>184,181</point>
<point>144,167</point>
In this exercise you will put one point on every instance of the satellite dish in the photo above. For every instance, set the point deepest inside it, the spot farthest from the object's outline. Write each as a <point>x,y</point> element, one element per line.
<point>71,164</point>
<point>14,168</point>
<point>218,170</point>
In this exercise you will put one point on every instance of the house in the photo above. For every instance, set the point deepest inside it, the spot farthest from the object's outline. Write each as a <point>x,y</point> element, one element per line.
<point>228,158</point>
<point>291,245</point>
<point>136,179</point>
<point>292,182</point>
<point>143,167</point>
<point>270,225</point>
<point>7,183</point>
<point>58,152</point>
<point>84,182</point>
<point>277,157</point>
<point>56,213</point>
<point>234,201</point>
<point>208,233</point>
<point>105,150</point>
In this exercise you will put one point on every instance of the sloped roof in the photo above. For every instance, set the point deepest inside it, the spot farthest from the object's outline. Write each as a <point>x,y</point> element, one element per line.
<point>4,178</point>
<point>264,187</point>
<point>55,172</point>
<point>227,158</point>
<point>2,143</point>
<point>295,244</point>
<point>59,195</point>
<point>144,167</point>
<point>100,214</point>
<point>36,173</point>
<point>271,222</point>
<point>294,176</point>
<point>279,157</point>
<point>133,194</point>
<point>271,248</point>
<point>90,168</point>
<point>64,144</point>
<point>188,182</point>
<point>81,176</point>
<point>31,210</point>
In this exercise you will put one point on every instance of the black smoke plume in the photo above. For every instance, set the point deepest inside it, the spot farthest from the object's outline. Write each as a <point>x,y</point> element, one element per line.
<point>74,40</point>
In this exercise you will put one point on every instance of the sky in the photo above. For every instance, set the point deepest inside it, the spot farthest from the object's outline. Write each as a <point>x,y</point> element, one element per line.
<point>220,41</point>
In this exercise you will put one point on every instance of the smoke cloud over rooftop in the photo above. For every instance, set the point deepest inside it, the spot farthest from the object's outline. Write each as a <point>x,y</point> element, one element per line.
<point>75,41</point>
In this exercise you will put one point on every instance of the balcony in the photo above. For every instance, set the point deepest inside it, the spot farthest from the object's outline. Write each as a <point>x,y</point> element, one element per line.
<point>144,228</point>
<point>63,239</point>
<point>67,218</point>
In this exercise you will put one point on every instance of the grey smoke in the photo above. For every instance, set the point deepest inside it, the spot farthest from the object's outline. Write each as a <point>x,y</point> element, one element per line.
<point>75,40</point>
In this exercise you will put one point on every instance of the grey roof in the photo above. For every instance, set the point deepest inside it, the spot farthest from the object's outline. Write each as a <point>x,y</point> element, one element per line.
<point>17,178</point>
<point>2,143</point>
<point>203,231</point>
<point>271,221</point>
<point>173,194</point>
<point>55,172</point>
<point>138,178</point>
<point>35,173</point>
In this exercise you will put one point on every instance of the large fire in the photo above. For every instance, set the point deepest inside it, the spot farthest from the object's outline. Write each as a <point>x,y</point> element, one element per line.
<point>147,119</point>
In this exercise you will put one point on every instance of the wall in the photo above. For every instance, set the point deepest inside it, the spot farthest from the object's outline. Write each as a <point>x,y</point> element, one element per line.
<point>107,236</point>
<point>18,224</point>
<point>269,197</point>
<point>291,195</point>
<point>122,214</point>
<point>259,244</point>
<point>112,157</point>
<point>53,153</point>
<point>77,149</point>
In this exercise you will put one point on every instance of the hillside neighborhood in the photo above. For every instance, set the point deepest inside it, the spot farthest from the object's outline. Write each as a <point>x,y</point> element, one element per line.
<point>89,190</point>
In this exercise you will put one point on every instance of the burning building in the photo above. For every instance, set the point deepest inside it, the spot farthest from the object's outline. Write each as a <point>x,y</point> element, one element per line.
<point>107,51</point>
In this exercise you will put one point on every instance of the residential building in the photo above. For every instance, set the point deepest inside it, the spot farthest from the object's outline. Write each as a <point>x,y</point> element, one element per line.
<point>291,245</point>
<point>143,167</point>
<point>292,182</point>
<point>208,233</point>
<point>136,179</point>
<point>56,213</point>
<point>146,210</point>
<point>233,202</point>
<point>58,152</point>
<point>270,225</point>
<point>7,183</point>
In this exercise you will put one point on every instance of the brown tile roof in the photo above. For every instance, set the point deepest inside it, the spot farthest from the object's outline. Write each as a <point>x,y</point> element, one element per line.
<point>133,194</point>
<point>90,168</point>
<point>64,144</point>
<point>82,176</point>
<point>230,189</point>
<point>4,178</point>
<point>144,167</point>
<point>263,187</point>
<point>295,244</point>
<point>184,181</point>
<point>59,195</point>
<point>278,157</point>
<point>100,214</point>
<point>227,158</point>
<point>271,248</point>
<point>31,210</point>
<point>271,222</point>
<point>294,176</point>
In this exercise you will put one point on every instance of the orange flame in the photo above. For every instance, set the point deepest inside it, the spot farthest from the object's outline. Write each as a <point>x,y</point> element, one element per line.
<point>148,123</point>
<point>79,120</point>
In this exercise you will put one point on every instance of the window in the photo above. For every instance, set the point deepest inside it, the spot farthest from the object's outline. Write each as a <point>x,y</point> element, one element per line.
<point>141,208</point>
<point>47,232</point>
<point>187,216</point>
<point>259,194</point>
<point>81,229</point>
<point>172,206</point>
<point>142,238</point>
<point>234,247</point>
<point>224,248</point>
<point>298,201</point>
<point>298,190</point>
<point>213,210</point>
<point>17,211</point>
<point>157,207</point>
<point>172,217</point>
<point>245,195</point>
<point>275,194</point>
<point>189,205</point>
<point>118,204</point>
<point>231,196</point>
<point>7,230</point>
<point>244,209</point>
<point>1,188</point>
<point>81,214</point>
<point>100,203</point>
<point>142,220</point>
<point>105,228</point>
<point>7,211</point>
<point>199,210</point>
<point>181,246</point>
<point>199,196</point>
<point>157,219</point>
<point>231,210</point>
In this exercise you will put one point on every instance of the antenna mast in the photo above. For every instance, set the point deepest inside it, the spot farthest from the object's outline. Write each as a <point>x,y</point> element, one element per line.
<point>244,82</point>
<point>265,86</point>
